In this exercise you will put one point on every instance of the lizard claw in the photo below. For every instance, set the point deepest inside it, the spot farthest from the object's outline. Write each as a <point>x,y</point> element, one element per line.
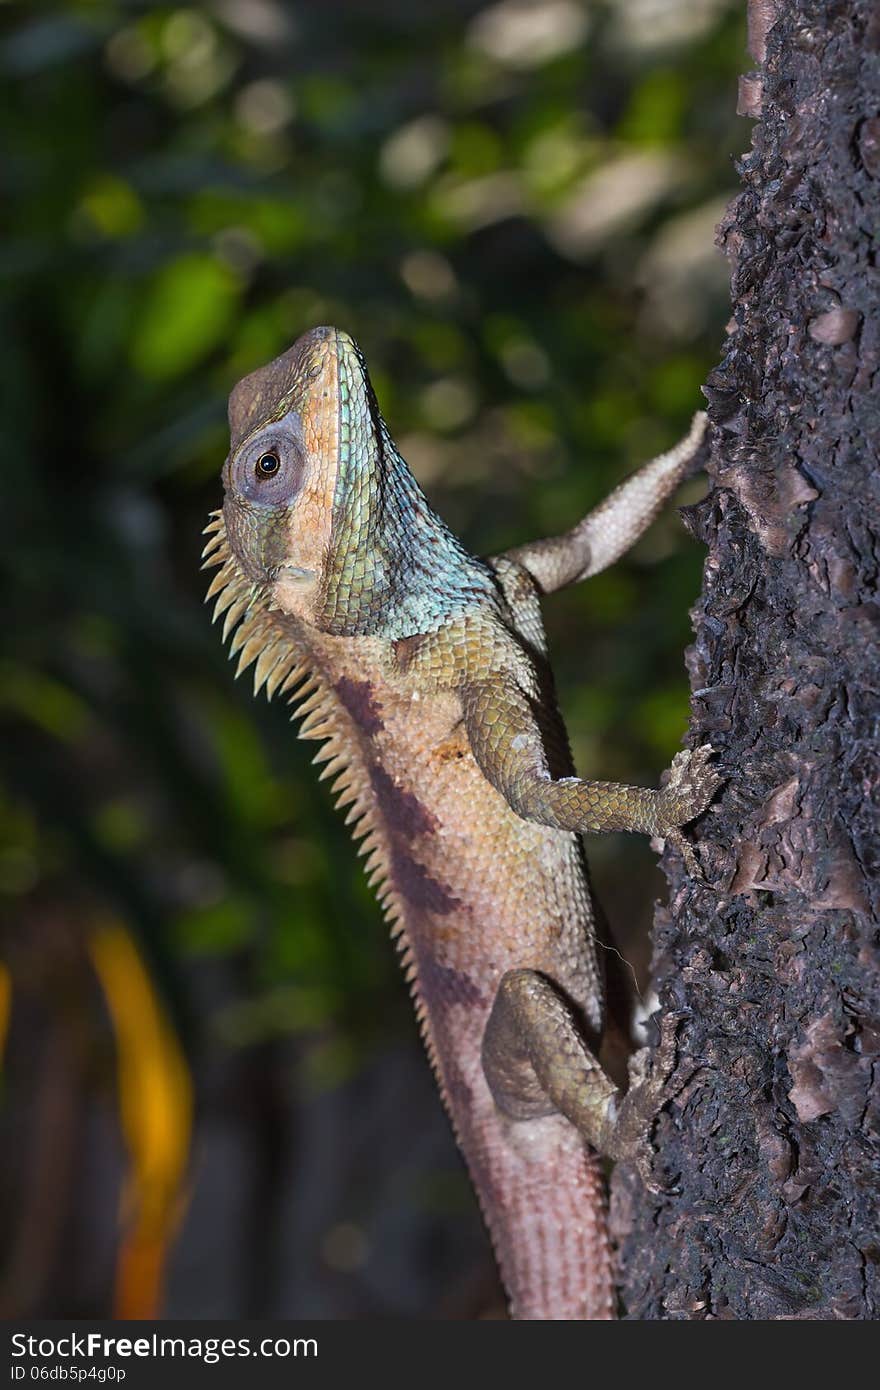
<point>686,850</point>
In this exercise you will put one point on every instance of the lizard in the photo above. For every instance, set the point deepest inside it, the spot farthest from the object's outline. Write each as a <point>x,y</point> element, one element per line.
<point>424,672</point>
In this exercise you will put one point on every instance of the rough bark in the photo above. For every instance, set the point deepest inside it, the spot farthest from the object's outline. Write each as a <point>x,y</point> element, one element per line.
<point>771,1140</point>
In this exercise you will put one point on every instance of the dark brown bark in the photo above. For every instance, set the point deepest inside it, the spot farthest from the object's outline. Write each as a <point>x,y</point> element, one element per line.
<point>772,1139</point>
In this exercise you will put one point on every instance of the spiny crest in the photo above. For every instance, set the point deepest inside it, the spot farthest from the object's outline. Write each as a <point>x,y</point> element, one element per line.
<point>247,617</point>
<point>257,637</point>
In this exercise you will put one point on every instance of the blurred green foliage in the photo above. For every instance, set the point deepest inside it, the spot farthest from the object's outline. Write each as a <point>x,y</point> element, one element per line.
<point>511,207</point>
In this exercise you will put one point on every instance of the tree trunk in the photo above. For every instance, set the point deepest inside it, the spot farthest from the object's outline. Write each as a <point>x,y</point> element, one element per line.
<point>769,1145</point>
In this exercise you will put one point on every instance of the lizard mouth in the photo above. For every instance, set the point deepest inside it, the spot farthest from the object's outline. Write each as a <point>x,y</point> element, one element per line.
<point>295,574</point>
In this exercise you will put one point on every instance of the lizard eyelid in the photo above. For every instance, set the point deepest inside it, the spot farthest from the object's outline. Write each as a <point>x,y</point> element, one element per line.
<point>270,471</point>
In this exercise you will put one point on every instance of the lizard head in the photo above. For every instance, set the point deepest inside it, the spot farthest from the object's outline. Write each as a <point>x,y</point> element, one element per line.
<point>321,514</point>
<point>280,475</point>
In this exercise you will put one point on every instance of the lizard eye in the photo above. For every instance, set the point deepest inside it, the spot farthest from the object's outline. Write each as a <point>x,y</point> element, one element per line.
<point>269,469</point>
<point>267,465</point>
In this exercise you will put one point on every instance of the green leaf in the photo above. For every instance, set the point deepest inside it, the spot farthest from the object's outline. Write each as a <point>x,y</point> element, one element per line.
<point>188,311</point>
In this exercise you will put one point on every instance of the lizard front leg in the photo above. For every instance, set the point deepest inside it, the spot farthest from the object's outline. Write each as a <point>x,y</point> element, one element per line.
<point>610,529</point>
<point>507,743</point>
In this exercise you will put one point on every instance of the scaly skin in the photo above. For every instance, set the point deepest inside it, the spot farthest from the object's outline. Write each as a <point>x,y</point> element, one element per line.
<point>424,672</point>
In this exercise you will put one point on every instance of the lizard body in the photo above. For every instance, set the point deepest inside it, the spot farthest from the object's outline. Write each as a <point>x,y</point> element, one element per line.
<point>424,673</point>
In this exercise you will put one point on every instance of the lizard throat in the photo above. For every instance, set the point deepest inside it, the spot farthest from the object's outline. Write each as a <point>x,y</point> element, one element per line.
<point>393,568</point>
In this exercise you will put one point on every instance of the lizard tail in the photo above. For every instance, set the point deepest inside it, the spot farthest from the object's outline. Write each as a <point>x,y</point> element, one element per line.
<point>548,1222</point>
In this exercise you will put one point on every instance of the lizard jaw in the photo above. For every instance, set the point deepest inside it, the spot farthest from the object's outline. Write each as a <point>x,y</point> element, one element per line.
<point>293,590</point>
<point>295,573</point>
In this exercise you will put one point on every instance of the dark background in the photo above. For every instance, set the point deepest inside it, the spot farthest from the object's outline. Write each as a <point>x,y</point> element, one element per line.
<point>214,1102</point>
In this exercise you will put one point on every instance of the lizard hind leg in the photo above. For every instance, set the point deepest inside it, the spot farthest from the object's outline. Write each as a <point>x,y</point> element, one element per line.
<point>537,1060</point>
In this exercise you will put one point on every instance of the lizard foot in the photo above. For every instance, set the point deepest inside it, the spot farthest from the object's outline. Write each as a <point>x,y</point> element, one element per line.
<point>649,1090</point>
<point>693,781</point>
